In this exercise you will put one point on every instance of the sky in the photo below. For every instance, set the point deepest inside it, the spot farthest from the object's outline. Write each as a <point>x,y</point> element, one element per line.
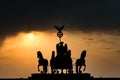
<point>28,26</point>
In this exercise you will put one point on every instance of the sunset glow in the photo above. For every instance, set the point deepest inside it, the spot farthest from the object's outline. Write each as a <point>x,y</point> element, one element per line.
<point>30,36</point>
<point>19,52</point>
<point>30,26</point>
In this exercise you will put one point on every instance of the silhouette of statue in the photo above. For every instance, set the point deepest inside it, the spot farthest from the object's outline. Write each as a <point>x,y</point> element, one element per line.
<point>69,62</point>
<point>61,49</point>
<point>81,62</point>
<point>59,33</point>
<point>52,63</point>
<point>62,60</point>
<point>42,62</point>
<point>59,28</point>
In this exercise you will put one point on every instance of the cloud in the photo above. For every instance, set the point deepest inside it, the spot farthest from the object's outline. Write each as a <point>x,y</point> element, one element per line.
<point>83,15</point>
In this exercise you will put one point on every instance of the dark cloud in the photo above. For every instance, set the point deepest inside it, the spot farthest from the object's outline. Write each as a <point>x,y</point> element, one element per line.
<point>85,15</point>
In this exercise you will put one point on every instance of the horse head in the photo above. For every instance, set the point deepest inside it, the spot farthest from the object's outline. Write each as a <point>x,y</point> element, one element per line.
<point>39,55</point>
<point>83,54</point>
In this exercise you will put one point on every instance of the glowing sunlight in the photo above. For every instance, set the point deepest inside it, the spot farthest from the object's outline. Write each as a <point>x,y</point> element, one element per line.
<point>19,52</point>
<point>24,39</point>
<point>32,39</point>
<point>30,36</point>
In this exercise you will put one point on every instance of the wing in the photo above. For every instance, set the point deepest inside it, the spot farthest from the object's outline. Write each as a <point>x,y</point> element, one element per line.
<point>62,27</point>
<point>57,28</point>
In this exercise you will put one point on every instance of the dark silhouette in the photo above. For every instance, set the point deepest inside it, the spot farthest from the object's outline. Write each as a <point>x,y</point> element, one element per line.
<point>59,33</point>
<point>84,76</point>
<point>52,63</point>
<point>69,62</point>
<point>62,60</point>
<point>60,28</point>
<point>81,62</point>
<point>42,62</point>
<point>61,49</point>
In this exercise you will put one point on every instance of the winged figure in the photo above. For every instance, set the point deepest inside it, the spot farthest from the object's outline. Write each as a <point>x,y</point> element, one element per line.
<point>60,28</point>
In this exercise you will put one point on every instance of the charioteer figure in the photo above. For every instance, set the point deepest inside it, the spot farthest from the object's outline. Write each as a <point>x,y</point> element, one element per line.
<point>63,58</point>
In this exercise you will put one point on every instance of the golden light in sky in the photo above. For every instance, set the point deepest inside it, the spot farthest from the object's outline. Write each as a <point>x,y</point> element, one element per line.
<point>30,39</point>
<point>30,36</point>
<point>19,52</point>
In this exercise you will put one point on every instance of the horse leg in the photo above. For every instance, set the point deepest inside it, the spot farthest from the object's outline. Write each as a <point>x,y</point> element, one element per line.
<point>84,67</point>
<point>61,71</point>
<point>70,71</point>
<point>45,69</point>
<point>77,69</point>
<point>67,71</point>
<point>80,69</point>
<point>38,68</point>
<point>57,71</point>
<point>52,71</point>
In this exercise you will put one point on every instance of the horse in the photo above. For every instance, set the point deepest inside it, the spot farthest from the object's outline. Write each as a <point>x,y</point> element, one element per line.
<point>81,62</point>
<point>52,63</point>
<point>42,62</point>
<point>69,67</point>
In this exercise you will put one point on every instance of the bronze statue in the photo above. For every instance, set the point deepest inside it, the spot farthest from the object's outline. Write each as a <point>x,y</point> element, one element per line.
<point>59,33</point>
<point>81,62</point>
<point>42,62</point>
<point>63,58</point>
<point>60,28</point>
